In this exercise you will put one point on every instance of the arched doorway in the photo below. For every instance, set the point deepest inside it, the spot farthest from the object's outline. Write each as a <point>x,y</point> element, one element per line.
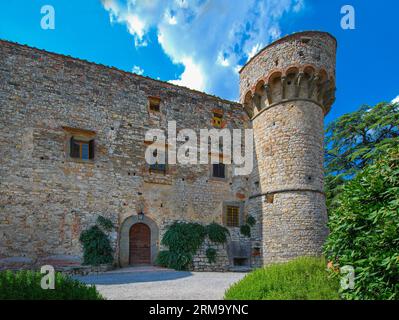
<point>140,244</point>
<point>125,238</point>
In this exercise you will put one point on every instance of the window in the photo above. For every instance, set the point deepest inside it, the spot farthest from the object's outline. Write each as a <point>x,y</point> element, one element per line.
<point>217,119</point>
<point>233,216</point>
<point>219,170</point>
<point>83,150</point>
<point>158,168</point>
<point>155,104</point>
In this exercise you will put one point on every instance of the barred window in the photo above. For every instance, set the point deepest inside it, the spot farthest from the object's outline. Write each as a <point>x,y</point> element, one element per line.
<point>232,216</point>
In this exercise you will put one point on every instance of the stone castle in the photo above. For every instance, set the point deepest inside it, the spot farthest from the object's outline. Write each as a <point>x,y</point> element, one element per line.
<point>72,144</point>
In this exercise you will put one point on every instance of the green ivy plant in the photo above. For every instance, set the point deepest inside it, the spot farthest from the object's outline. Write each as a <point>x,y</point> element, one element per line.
<point>245,229</point>
<point>105,223</point>
<point>96,245</point>
<point>183,241</point>
<point>211,255</point>
<point>217,233</point>
<point>251,221</point>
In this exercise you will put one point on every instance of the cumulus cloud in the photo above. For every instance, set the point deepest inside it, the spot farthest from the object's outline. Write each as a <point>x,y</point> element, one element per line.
<point>210,38</point>
<point>396,100</point>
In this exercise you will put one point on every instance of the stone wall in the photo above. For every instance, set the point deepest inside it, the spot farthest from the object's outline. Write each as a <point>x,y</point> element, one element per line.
<point>47,199</point>
<point>222,263</point>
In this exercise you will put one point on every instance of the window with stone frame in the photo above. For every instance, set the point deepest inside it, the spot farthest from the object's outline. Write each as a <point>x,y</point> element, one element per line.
<point>83,150</point>
<point>217,119</point>
<point>154,104</point>
<point>81,144</point>
<point>232,216</point>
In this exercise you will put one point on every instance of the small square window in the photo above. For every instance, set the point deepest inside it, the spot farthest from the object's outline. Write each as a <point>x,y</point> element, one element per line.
<point>83,150</point>
<point>219,170</point>
<point>217,120</point>
<point>154,104</point>
<point>232,216</point>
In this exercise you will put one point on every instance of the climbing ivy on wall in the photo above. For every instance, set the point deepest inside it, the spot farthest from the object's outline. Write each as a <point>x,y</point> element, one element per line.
<point>183,241</point>
<point>217,233</point>
<point>211,255</point>
<point>245,229</point>
<point>96,245</point>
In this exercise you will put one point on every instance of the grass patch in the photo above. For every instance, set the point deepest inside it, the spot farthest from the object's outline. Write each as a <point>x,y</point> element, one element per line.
<point>304,278</point>
<point>25,285</point>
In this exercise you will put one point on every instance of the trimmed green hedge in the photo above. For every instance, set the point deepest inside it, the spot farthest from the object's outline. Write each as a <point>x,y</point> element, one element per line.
<point>301,279</point>
<point>25,285</point>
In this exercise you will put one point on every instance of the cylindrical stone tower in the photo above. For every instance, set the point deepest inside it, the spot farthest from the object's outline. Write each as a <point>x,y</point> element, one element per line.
<point>287,89</point>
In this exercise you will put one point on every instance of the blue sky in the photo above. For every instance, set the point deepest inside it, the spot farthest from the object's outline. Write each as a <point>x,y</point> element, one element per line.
<point>202,43</point>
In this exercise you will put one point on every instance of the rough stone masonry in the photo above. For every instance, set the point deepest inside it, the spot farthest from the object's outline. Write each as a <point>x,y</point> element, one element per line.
<point>72,146</point>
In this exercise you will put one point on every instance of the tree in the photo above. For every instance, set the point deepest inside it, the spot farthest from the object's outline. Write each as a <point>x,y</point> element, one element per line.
<point>355,140</point>
<point>364,228</point>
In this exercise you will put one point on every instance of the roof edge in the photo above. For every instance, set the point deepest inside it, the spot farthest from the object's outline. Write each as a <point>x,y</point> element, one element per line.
<point>121,71</point>
<point>284,38</point>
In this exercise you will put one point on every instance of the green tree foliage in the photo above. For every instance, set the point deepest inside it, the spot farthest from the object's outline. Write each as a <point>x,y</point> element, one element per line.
<point>354,140</point>
<point>304,278</point>
<point>364,229</point>
<point>96,245</point>
<point>25,285</point>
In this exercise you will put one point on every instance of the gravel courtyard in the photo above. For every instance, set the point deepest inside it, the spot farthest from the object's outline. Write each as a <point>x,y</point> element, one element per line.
<point>151,283</point>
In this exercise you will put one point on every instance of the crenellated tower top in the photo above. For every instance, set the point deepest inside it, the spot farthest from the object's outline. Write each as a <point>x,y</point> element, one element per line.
<point>300,66</point>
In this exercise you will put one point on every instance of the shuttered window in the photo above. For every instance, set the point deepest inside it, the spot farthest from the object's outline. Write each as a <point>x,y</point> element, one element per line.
<point>83,150</point>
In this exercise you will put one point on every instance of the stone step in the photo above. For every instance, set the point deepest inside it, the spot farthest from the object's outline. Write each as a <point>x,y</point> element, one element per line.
<point>240,269</point>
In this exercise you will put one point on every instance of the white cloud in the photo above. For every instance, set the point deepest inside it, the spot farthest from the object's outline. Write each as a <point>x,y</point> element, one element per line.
<point>255,49</point>
<point>210,38</point>
<point>396,100</point>
<point>138,70</point>
<point>192,76</point>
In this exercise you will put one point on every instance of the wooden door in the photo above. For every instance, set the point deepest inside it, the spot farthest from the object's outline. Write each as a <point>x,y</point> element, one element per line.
<point>139,244</point>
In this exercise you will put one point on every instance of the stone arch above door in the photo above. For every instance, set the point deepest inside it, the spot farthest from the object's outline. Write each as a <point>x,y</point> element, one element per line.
<point>124,238</point>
